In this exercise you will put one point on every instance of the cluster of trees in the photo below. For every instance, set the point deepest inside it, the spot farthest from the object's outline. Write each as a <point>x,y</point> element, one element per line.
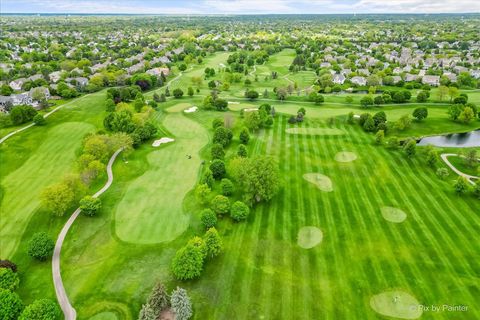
<point>21,114</point>
<point>399,96</point>
<point>12,307</point>
<point>261,118</point>
<point>463,112</point>
<point>299,118</point>
<point>146,81</point>
<point>189,261</point>
<point>159,301</point>
<point>212,101</point>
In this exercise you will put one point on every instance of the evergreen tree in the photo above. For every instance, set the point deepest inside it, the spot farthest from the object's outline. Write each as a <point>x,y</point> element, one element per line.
<point>159,299</point>
<point>181,304</point>
<point>147,313</point>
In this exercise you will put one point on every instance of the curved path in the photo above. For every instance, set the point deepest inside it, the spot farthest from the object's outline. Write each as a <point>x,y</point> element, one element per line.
<point>45,116</point>
<point>68,311</point>
<point>444,157</point>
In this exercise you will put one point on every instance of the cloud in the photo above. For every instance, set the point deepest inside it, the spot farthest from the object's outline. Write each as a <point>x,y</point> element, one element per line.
<point>241,6</point>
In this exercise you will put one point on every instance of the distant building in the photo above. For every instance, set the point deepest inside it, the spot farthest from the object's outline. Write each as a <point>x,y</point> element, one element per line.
<point>431,80</point>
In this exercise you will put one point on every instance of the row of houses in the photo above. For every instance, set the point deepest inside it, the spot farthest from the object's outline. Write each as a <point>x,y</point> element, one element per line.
<point>24,98</point>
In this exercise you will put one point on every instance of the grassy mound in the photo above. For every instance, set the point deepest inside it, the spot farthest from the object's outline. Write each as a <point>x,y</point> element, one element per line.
<point>309,237</point>
<point>316,131</point>
<point>396,304</point>
<point>345,156</point>
<point>179,107</point>
<point>393,214</point>
<point>154,199</point>
<point>322,182</point>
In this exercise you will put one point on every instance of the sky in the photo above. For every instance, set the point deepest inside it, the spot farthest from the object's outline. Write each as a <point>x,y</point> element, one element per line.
<point>204,7</point>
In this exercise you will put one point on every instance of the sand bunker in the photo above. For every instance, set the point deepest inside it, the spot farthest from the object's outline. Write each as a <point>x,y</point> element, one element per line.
<point>356,116</point>
<point>321,181</point>
<point>316,131</point>
<point>345,156</point>
<point>191,109</point>
<point>393,214</point>
<point>163,140</point>
<point>396,304</point>
<point>250,109</point>
<point>233,102</point>
<point>309,237</point>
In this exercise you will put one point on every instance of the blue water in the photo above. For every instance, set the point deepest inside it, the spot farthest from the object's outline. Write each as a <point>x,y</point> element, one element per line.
<point>456,140</point>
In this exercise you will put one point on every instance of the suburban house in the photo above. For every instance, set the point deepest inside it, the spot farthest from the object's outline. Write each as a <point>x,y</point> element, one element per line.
<point>451,76</point>
<point>55,76</point>
<point>78,81</point>
<point>359,81</point>
<point>158,71</point>
<point>17,84</point>
<point>338,78</point>
<point>431,80</point>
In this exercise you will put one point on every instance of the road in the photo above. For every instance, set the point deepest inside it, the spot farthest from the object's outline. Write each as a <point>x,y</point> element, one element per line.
<point>68,311</point>
<point>444,157</point>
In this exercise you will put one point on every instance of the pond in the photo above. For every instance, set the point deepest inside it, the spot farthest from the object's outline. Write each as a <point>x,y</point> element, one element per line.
<point>456,140</point>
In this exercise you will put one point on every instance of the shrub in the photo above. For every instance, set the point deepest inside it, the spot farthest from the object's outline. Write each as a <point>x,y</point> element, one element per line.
<point>442,173</point>
<point>221,204</point>
<point>242,151</point>
<point>239,211</point>
<point>181,304</point>
<point>43,309</point>
<point>420,113</point>
<point>207,178</point>
<point>208,218</point>
<point>218,169</point>
<point>216,123</point>
<point>10,305</point>
<point>227,187</point>
<point>40,246</point>
<point>188,262</point>
<point>217,151</point>
<point>410,148</point>
<point>461,185</point>
<point>9,280</point>
<point>202,193</point>
<point>244,136</point>
<point>39,120</point>
<point>366,102</point>
<point>90,205</point>
<point>213,242</point>
<point>177,93</point>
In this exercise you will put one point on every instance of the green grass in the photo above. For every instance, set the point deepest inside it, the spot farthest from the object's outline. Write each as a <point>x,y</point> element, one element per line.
<point>158,193</point>
<point>460,164</point>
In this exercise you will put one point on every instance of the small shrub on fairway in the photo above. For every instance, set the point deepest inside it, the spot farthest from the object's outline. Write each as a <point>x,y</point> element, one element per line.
<point>43,309</point>
<point>220,205</point>
<point>90,205</point>
<point>239,211</point>
<point>40,246</point>
<point>227,187</point>
<point>213,242</point>
<point>218,169</point>
<point>208,218</point>
<point>10,305</point>
<point>9,280</point>
<point>442,173</point>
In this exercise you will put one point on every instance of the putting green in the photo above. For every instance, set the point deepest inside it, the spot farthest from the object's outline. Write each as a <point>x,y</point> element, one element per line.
<point>104,316</point>
<point>322,182</point>
<point>345,156</point>
<point>179,107</point>
<point>316,131</point>
<point>397,304</point>
<point>151,209</point>
<point>309,237</point>
<point>393,214</point>
<point>45,166</point>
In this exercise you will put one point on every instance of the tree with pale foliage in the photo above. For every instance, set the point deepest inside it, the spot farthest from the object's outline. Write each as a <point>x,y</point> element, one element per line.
<point>181,304</point>
<point>147,313</point>
<point>58,198</point>
<point>461,185</point>
<point>158,299</point>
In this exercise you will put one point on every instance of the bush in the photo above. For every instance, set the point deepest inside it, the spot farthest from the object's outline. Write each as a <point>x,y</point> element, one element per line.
<point>9,280</point>
<point>217,151</point>
<point>213,242</point>
<point>461,185</point>
<point>216,123</point>
<point>208,218</point>
<point>242,151</point>
<point>366,102</point>
<point>43,309</point>
<point>202,193</point>
<point>227,187</point>
<point>218,169</point>
<point>410,148</point>
<point>22,114</point>
<point>442,173</point>
<point>90,205</point>
<point>420,113</point>
<point>10,305</point>
<point>39,120</point>
<point>244,136</point>
<point>40,246</point>
<point>221,205</point>
<point>239,211</point>
<point>177,93</point>
<point>188,262</point>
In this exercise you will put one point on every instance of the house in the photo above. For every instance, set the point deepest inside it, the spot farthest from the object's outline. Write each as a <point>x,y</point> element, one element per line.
<point>55,76</point>
<point>46,92</point>
<point>431,80</point>
<point>17,84</point>
<point>135,68</point>
<point>396,79</point>
<point>158,71</point>
<point>397,70</point>
<point>21,98</point>
<point>338,78</point>
<point>410,77</point>
<point>364,72</point>
<point>451,76</point>
<point>79,81</point>
<point>360,81</point>
<point>421,73</point>
<point>475,74</point>
<point>325,65</point>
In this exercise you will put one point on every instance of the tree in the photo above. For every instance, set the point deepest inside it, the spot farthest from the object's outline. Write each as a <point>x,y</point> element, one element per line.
<point>366,102</point>
<point>188,262</point>
<point>471,158</point>
<point>379,117</point>
<point>43,309</point>
<point>138,104</point>
<point>442,173</point>
<point>217,151</point>
<point>420,113</point>
<point>202,193</point>
<point>242,151</point>
<point>244,136</point>
<point>452,93</point>
<point>476,190</point>
<point>369,125</point>
<point>253,120</point>
<point>466,115</point>
<point>39,120</point>
<point>422,96</point>
<point>221,205</point>
<point>431,156</point>
<point>461,185</point>
<point>220,104</point>
<point>190,91</point>
<point>147,313</point>
<point>158,299</point>
<point>251,94</point>
<point>216,123</point>
<point>454,111</point>
<point>22,114</point>
<point>213,242</point>
<point>257,177</point>
<point>221,135</point>
<point>8,265</point>
<point>208,218</point>
<point>58,198</point>
<point>181,304</point>
<point>227,187</point>
<point>379,137</point>
<point>40,246</point>
<point>10,305</point>
<point>90,205</point>
<point>207,178</point>
<point>218,169</point>
<point>177,93</point>
<point>442,92</point>
<point>9,280</point>
<point>403,122</point>
<point>410,147</point>
<point>239,211</point>
<point>378,100</point>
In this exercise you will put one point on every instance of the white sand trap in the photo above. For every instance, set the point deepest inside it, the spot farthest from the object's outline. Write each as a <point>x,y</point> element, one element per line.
<point>396,304</point>
<point>356,116</point>
<point>321,181</point>
<point>309,237</point>
<point>250,109</point>
<point>233,102</point>
<point>393,214</point>
<point>191,109</point>
<point>345,156</point>
<point>316,131</point>
<point>161,141</point>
